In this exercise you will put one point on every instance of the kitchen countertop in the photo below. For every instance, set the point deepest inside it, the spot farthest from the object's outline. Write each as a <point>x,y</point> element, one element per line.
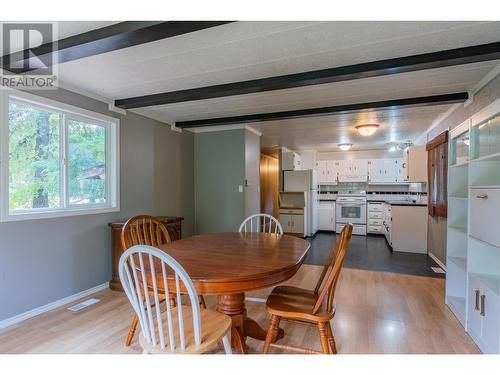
<point>403,203</point>
<point>398,202</point>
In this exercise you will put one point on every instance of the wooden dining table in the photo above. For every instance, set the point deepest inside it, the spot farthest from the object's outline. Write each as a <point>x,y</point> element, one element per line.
<point>230,264</point>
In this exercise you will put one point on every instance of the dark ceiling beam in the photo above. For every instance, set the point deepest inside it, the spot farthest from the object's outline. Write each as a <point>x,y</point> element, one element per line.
<point>106,39</point>
<point>457,56</point>
<point>459,97</point>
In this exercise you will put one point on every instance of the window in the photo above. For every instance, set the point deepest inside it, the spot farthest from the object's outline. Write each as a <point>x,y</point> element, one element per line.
<point>59,160</point>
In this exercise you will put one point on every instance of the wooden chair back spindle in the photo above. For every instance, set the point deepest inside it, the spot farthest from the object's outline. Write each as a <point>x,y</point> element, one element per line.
<point>144,230</point>
<point>134,265</point>
<point>325,288</point>
<point>264,223</point>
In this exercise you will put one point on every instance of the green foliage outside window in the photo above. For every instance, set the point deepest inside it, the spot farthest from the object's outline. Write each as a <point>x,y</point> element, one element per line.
<point>35,159</point>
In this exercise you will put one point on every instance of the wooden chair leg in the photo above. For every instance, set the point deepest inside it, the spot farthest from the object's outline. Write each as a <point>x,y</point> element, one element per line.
<point>132,330</point>
<point>331,340</point>
<point>272,333</point>
<point>202,301</point>
<point>323,337</point>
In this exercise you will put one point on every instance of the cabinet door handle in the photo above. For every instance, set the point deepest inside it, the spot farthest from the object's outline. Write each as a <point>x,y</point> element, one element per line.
<point>476,307</point>
<point>482,196</point>
<point>483,298</point>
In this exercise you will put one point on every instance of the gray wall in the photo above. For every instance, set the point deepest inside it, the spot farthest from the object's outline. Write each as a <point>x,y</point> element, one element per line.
<point>44,260</point>
<point>436,240</point>
<point>252,173</point>
<point>219,169</point>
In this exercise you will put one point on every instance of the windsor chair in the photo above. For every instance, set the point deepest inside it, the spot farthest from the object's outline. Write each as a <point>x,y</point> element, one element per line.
<point>144,230</point>
<point>144,272</point>
<point>264,223</point>
<point>310,306</point>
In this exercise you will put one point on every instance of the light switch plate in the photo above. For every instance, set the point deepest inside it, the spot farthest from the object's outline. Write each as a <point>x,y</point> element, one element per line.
<point>240,188</point>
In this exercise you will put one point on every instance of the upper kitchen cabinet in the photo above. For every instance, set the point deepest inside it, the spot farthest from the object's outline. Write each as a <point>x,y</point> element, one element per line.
<point>415,162</point>
<point>352,170</point>
<point>385,171</point>
<point>326,172</point>
<point>290,161</point>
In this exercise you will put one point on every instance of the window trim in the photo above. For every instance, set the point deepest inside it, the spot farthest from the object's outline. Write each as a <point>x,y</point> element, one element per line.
<point>112,126</point>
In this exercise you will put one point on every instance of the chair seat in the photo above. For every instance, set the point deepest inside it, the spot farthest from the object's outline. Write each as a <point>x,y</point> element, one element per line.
<point>297,303</point>
<point>214,326</point>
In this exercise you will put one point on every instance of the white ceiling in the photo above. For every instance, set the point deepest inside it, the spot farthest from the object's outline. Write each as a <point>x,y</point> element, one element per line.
<point>65,29</point>
<point>249,50</point>
<point>324,133</point>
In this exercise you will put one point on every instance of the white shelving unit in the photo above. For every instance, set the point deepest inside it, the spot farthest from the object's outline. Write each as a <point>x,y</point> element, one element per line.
<point>458,203</point>
<point>473,247</point>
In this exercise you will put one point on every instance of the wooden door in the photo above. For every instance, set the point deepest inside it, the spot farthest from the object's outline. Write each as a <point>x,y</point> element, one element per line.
<point>269,185</point>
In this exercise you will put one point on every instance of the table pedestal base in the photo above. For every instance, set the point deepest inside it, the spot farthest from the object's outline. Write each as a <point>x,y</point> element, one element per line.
<point>233,305</point>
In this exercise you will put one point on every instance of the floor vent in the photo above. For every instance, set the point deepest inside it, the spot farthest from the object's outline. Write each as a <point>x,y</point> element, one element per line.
<point>438,270</point>
<point>83,304</point>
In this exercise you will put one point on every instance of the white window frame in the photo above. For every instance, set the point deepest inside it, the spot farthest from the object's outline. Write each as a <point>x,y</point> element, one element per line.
<point>112,126</point>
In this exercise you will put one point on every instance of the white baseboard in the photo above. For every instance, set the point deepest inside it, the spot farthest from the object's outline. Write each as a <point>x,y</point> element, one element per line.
<point>435,259</point>
<point>51,306</point>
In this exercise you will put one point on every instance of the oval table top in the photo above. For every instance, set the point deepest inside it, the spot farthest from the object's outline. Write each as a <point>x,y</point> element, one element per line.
<point>221,263</point>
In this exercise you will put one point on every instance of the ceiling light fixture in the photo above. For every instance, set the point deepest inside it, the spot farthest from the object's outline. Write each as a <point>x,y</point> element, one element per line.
<point>345,146</point>
<point>393,148</point>
<point>367,129</point>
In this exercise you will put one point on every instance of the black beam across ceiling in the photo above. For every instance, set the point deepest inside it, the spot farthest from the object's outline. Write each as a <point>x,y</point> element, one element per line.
<point>324,111</point>
<point>457,56</point>
<point>106,39</point>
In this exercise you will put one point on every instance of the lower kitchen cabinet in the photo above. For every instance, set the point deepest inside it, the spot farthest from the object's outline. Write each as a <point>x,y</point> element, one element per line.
<point>326,216</point>
<point>375,218</point>
<point>408,228</point>
<point>483,313</point>
<point>292,223</point>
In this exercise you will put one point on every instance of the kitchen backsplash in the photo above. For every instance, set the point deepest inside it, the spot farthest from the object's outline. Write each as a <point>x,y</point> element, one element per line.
<point>365,187</point>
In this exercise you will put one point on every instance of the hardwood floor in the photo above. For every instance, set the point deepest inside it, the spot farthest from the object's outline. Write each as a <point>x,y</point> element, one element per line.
<point>377,312</point>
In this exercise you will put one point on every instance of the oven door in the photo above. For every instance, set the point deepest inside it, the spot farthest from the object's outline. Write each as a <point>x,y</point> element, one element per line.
<point>354,213</point>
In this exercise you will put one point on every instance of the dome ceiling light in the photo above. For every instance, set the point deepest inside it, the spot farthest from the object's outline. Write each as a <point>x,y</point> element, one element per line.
<point>345,146</point>
<point>367,129</point>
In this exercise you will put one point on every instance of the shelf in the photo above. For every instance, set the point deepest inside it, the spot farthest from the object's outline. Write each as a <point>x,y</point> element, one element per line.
<point>483,242</point>
<point>492,282</point>
<point>492,157</point>
<point>484,186</point>
<point>460,262</point>
<point>458,165</point>
<point>458,198</point>
<point>457,305</point>
<point>458,229</point>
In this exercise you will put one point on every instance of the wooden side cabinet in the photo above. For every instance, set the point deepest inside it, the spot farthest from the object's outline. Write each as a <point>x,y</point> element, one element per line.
<point>174,227</point>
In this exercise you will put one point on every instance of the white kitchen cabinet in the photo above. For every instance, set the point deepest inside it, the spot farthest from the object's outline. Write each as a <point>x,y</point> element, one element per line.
<point>320,166</point>
<point>389,170</point>
<point>326,172</point>
<point>409,228</point>
<point>400,170</point>
<point>375,168</point>
<point>290,161</point>
<point>385,171</point>
<point>292,223</point>
<point>326,216</point>
<point>352,170</point>
<point>415,162</point>
<point>375,217</point>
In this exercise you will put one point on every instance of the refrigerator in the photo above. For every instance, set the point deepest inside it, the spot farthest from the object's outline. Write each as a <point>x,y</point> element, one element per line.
<point>305,180</point>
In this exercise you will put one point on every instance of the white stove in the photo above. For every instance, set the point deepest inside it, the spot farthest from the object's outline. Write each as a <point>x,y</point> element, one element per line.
<point>351,209</point>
